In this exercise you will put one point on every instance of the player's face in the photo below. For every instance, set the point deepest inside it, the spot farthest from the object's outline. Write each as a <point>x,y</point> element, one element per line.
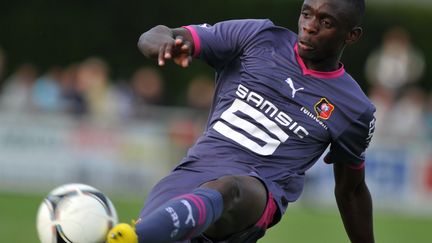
<point>323,29</point>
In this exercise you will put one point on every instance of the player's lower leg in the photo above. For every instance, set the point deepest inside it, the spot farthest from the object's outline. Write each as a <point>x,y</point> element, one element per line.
<point>181,218</point>
<point>243,203</point>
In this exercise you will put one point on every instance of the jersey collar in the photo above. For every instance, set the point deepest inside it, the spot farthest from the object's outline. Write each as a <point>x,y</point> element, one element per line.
<point>317,74</point>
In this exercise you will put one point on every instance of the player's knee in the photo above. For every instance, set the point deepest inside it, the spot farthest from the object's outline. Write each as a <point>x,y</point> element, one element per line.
<point>229,186</point>
<point>244,201</point>
<point>238,190</point>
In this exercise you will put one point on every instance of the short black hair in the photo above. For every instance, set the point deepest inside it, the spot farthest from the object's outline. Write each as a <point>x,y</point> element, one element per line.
<point>358,8</point>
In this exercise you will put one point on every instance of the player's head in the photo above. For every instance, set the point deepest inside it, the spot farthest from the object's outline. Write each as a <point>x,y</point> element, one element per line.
<point>327,26</point>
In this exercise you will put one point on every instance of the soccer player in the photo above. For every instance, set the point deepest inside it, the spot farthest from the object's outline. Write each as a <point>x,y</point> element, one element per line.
<point>281,100</point>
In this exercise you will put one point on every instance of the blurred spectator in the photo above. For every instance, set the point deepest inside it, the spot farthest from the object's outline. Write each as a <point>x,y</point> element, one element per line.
<point>146,90</point>
<point>93,82</point>
<point>428,118</point>
<point>384,100</point>
<point>200,93</point>
<point>2,68</point>
<point>73,99</point>
<point>405,122</point>
<point>199,96</point>
<point>147,85</point>
<point>18,89</point>
<point>396,63</point>
<point>46,93</point>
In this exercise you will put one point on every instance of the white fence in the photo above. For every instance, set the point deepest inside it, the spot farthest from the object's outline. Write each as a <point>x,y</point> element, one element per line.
<point>41,151</point>
<point>399,178</point>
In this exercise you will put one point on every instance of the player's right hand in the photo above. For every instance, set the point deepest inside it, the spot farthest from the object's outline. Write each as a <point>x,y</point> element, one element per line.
<point>122,233</point>
<point>165,44</point>
<point>179,51</point>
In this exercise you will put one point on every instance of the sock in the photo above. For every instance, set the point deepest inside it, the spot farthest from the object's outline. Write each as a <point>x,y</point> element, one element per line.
<point>183,217</point>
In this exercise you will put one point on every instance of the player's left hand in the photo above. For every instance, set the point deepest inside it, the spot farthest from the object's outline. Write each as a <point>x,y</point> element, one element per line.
<point>122,233</point>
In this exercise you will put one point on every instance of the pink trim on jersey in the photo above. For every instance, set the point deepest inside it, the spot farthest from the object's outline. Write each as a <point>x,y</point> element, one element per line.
<point>314,73</point>
<point>267,217</point>
<point>196,40</point>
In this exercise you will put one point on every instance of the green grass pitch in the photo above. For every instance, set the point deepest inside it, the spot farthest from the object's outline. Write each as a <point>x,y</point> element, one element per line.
<point>299,225</point>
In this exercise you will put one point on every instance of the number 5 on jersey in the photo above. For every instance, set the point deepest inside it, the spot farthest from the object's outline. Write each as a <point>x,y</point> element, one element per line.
<point>270,144</point>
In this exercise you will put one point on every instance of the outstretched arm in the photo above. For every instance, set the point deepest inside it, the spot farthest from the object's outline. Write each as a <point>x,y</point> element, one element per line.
<point>354,202</point>
<point>165,43</point>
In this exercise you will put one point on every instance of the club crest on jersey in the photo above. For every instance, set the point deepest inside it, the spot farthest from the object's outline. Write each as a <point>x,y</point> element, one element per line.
<point>324,109</point>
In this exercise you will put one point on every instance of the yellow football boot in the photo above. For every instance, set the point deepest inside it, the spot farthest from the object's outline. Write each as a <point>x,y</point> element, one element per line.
<point>122,233</point>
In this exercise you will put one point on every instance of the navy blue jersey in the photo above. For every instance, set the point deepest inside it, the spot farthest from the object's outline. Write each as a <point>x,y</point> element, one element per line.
<point>271,115</point>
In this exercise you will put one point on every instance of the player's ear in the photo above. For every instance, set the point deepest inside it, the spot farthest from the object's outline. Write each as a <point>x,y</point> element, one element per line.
<point>353,35</point>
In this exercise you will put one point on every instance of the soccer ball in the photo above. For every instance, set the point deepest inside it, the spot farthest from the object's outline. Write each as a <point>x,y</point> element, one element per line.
<point>75,213</point>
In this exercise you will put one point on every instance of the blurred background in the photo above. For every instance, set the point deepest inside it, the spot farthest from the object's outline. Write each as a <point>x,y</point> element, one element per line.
<point>79,103</point>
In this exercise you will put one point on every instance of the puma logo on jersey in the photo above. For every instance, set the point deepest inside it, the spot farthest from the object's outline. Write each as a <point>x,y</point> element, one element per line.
<point>293,90</point>
<point>205,25</point>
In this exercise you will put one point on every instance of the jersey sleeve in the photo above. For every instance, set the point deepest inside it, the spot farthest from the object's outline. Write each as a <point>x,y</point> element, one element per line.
<point>350,146</point>
<point>218,44</point>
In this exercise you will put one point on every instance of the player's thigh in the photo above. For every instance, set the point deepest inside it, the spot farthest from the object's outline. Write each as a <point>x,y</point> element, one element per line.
<point>245,199</point>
